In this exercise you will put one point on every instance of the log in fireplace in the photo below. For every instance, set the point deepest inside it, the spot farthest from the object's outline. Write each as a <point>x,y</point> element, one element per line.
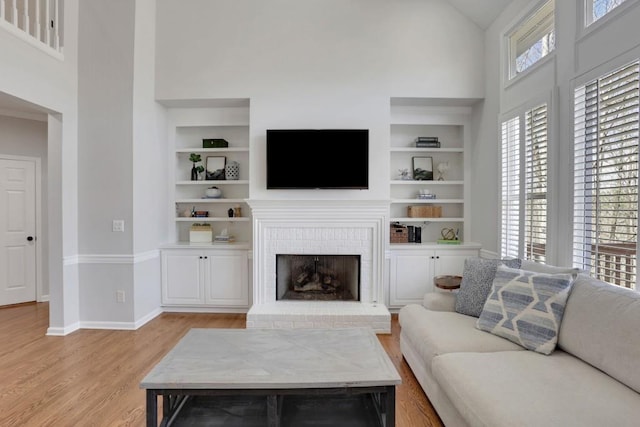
<point>318,277</point>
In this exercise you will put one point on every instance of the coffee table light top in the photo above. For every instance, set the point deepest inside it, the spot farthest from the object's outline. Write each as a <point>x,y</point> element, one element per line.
<point>274,359</point>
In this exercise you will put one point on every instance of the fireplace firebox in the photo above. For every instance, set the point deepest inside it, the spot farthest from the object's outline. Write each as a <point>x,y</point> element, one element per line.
<point>318,277</point>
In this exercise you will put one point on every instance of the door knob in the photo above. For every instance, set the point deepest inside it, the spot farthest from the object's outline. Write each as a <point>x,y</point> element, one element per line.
<point>30,238</point>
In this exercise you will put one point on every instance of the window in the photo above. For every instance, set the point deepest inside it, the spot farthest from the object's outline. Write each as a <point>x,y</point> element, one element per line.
<point>596,9</point>
<point>605,224</point>
<point>532,40</point>
<point>524,185</point>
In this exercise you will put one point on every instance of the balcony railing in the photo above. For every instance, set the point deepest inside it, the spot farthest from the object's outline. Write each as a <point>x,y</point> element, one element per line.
<point>39,22</point>
<point>614,263</point>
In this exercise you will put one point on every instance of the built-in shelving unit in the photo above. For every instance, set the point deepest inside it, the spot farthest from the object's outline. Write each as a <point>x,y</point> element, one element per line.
<point>448,121</point>
<point>208,276</point>
<point>222,119</point>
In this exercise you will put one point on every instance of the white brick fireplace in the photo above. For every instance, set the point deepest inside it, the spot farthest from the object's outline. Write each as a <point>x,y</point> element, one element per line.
<point>319,227</point>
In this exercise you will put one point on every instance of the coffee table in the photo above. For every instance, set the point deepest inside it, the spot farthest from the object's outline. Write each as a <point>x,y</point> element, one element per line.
<point>275,368</point>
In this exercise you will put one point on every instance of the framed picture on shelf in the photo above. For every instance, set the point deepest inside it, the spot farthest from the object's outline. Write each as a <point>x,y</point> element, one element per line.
<point>422,168</point>
<point>215,168</point>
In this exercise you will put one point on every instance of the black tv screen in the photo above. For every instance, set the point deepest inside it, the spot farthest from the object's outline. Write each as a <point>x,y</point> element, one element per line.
<point>317,159</point>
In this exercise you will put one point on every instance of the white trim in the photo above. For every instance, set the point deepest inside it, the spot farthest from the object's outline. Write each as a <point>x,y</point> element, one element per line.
<point>201,309</point>
<point>505,48</point>
<point>71,260</point>
<point>20,34</point>
<point>38,117</point>
<point>112,258</point>
<point>584,30</point>
<point>124,326</point>
<point>60,332</point>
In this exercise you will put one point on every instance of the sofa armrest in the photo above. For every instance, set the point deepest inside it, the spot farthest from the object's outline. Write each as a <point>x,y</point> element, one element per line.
<point>439,301</point>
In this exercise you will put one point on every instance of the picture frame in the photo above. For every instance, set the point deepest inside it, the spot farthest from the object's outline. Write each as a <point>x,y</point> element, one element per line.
<point>422,168</point>
<point>215,168</point>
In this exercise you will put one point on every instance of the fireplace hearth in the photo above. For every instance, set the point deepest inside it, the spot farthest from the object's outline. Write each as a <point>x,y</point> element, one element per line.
<point>318,277</point>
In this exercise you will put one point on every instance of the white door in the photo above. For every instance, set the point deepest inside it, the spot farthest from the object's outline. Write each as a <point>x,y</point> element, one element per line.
<point>17,231</point>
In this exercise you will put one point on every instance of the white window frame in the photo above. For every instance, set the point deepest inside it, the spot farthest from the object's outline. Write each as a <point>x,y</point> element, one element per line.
<point>510,239</point>
<point>586,26</point>
<point>527,29</point>
<point>592,76</point>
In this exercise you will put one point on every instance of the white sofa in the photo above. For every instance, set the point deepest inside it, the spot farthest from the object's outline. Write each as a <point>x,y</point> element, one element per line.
<point>475,378</point>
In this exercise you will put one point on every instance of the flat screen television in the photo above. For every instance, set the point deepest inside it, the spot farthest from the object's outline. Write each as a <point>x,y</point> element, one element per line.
<point>317,159</point>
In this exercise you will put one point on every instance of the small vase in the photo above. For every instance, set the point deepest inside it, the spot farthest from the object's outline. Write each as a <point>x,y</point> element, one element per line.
<point>194,174</point>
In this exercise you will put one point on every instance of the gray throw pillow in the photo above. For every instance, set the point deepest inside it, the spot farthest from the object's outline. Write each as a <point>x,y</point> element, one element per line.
<point>477,278</point>
<point>526,307</point>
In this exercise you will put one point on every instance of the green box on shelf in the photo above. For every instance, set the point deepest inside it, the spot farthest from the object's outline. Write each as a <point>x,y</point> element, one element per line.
<point>214,143</point>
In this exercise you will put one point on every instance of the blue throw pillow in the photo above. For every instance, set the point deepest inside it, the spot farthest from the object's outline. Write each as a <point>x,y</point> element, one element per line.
<point>477,278</point>
<point>526,307</point>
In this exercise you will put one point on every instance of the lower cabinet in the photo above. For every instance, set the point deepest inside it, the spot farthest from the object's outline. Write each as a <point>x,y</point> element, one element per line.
<point>205,277</point>
<point>412,269</point>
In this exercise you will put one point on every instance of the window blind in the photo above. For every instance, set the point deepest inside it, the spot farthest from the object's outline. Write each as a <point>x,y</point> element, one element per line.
<point>606,125</point>
<point>535,212</point>
<point>510,188</point>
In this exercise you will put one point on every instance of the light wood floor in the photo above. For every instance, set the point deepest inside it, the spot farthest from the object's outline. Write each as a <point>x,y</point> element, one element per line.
<point>91,377</point>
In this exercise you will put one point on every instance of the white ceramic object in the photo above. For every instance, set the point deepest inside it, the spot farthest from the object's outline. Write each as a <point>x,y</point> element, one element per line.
<point>213,192</point>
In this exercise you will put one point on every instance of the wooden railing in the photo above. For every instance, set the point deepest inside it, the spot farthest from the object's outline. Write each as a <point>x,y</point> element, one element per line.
<point>37,21</point>
<point>613,262</point>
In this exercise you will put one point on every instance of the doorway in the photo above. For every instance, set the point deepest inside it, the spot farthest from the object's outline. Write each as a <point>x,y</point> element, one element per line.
<point>19,227</point>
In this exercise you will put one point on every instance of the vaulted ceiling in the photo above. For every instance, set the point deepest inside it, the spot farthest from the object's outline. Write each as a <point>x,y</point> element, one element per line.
<point>482,12</point>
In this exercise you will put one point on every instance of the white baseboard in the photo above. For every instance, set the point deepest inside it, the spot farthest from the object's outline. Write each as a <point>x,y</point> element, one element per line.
<point>121,326</point>
<point>60,332</point>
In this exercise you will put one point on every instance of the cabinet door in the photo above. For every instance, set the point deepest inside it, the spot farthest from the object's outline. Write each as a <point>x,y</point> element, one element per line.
<point>411,277</point>
<point>182,278</point>
<point>451,262</point>
<point>227,283</point>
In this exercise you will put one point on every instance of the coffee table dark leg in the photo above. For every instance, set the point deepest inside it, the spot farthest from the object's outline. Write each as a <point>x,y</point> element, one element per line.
<point>273,411</point>
<point>152,409</point>
<point>390,410</point>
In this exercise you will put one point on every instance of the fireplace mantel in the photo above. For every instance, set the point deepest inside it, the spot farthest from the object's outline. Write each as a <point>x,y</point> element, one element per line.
<point>349,227</point>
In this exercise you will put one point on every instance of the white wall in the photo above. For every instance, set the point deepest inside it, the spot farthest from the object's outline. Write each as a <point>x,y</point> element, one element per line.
<point>317,63</point>
<point>122,163</point>
<point>22,137</point>
<point>50,84</point>
<point>578,55</point>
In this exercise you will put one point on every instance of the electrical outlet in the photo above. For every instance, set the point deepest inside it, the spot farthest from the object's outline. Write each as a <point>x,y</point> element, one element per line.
<point>118,225</point>
<point>119,296</point>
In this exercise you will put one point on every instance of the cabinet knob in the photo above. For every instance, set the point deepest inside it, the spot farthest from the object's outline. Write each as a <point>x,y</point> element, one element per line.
<point>200,257</point>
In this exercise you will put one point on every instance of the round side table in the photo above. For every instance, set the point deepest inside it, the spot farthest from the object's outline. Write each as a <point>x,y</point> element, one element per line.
<point>447,283</point>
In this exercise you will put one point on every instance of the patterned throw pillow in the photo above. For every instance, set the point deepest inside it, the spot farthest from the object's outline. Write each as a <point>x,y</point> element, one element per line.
<point>477,277</point>
<point>526,307</point>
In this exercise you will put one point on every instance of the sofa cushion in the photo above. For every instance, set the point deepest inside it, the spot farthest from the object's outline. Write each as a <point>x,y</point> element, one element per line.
<point>601,325</point>
<point>549,269</point>
<point>438,332</point>
<point>524,388</point>
<point>526,307</point>
<point>477,277</point>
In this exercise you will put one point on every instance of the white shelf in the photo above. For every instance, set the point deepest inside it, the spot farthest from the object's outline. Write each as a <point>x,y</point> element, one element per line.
<point>426,201</point>
<point>213,219</point>
<point>222,182</point>
<point>213,150</point>
<point>442,219</point>
<point>425,150</point>
<point>425,182</point>
<point>211,200</point>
